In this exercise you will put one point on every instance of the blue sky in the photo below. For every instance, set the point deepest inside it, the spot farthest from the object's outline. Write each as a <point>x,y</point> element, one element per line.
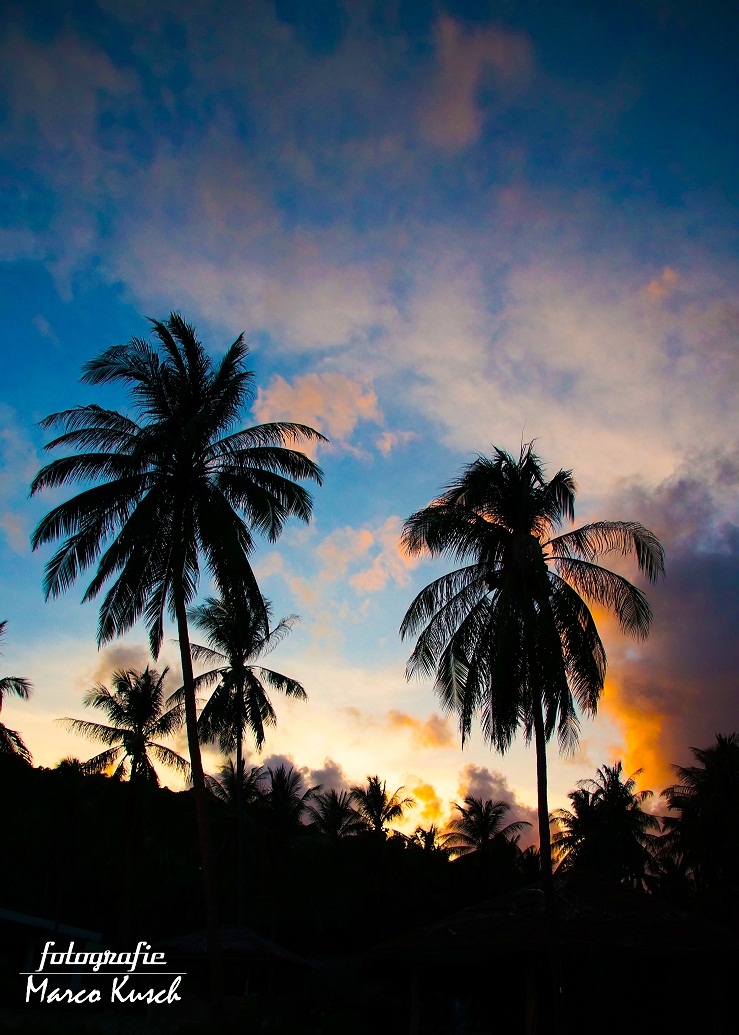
<point>441,226</point>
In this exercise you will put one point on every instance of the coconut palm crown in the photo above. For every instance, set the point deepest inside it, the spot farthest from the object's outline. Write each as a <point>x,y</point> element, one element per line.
<point>135,709</point>
<point>509,636</point>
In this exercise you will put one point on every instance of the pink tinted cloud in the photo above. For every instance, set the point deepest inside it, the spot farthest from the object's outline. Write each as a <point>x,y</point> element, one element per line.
<point>331,403</point>
<point>451,116</point>
<point>390,563</point>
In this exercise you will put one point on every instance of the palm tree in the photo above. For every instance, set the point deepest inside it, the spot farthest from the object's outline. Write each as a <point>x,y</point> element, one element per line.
<point>334,816</point>
<point>510,636</point>
<point>478,827</point>
<point>430,841</point>
<point>703,834</point>
<point>11,742</point>
<point>171,484</point>
<point>607,829</point>
<point>134,708</point>
<point>376,807</point>
<point>238,636</point>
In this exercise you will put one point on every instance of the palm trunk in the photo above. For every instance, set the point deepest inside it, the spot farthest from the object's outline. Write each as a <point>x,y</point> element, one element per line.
<point>201,803</point>
<point>547,881</point>
<point>239,826</point>
<point>545,844</point>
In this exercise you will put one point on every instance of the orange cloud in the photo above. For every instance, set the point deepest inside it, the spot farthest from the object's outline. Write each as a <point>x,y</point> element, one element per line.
<point>331,403</point>
<point>429,801</point>
<point>451,117</point>
<point>643,728</point>
<point>433,732</point>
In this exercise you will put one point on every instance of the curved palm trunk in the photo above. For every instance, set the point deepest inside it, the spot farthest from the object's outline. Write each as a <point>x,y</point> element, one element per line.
<point>201,802</point>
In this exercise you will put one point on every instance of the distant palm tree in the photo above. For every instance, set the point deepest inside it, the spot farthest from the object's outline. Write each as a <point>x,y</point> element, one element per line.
<point>607,829</point>
<point>334,816</point>
<point>11,742</point>
<point>134,708</point>
<point>510,636</point>
<point>239,635</point>
<point>376,807</point>
<point>479,827</point>
<point>702,835</point>
<point>235,793</point>
<point>431,841</point>
<point>172,484</point>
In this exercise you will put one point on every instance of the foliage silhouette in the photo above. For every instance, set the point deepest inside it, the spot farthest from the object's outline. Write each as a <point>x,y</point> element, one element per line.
<point>703,836</point>
<point>134,708</point>
<point>478,827</point>
<point>171,484</point>
<point>607,829</point>
<point>510,636</point>
<point>11,742</point>
<point>376,807</point>
<point>334,816</point>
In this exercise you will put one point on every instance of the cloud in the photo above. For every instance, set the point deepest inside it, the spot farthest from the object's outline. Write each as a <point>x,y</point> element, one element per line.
<point>428,802</point>
<point>389,440</point>
<point>452,115</point>
<point>678,690</point>
<point>390,562</point>
<point>331,403</point>
<point>330,776</point>
<point>433,732</point>
<point>19,462</point>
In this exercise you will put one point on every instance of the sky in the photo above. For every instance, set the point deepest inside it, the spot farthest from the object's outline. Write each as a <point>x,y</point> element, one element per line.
<point>442,227</point>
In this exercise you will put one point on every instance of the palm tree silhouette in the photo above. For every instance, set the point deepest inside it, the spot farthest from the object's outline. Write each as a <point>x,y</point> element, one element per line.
<point>703,834</point>
<point>134,708</point>
<point>238,636</point>
<point>334,816</point>
<point>11,742</point>
<point>376,807</point>
<point>171,485</point>
<point>510,636</point>
<point>478,827</point>
<point>606,828</point>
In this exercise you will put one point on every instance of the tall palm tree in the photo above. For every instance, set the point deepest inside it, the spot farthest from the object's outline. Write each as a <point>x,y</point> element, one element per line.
<point>11,742</point>
<point>376,807</point>
<point>174,484</point>
<point>606,828</point>
<point>479,826</point>
<point>509,636</point>
<point>703,832</point>
<point>134,708</point>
